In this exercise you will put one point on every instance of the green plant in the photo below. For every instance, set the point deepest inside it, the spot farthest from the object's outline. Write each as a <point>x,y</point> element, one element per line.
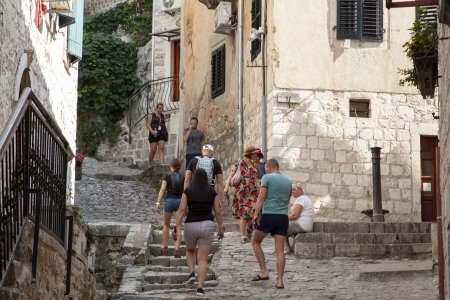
<point>107,75</point>
<point>424,38</point>
<point>423,44</point>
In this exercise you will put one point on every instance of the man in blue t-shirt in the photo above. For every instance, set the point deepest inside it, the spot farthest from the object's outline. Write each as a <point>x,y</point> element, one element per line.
<point>271,216</point>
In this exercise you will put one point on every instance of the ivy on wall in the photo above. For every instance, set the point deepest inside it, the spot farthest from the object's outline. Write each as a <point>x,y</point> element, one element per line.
<point>107,73</point>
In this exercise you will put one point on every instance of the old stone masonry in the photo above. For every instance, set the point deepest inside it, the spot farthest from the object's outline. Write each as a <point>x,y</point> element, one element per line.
<point>129,265</point>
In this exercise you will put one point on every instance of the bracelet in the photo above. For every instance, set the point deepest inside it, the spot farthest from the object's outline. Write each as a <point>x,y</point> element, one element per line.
<point>158,203</point>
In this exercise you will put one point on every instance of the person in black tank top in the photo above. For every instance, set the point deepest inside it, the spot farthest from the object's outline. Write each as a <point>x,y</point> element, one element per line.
<point>198,200</point>
<point>172,189</point>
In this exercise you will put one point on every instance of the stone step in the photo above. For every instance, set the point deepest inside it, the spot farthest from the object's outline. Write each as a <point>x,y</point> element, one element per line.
<point>169,261</point>
<point>394,270</point>
<point>170,277</point>
<point>417,250</point>
<point>362,238</point>
<point>374,227</point>
<point>184,293</point>
<point>153,287</point>
<point>156,249</point>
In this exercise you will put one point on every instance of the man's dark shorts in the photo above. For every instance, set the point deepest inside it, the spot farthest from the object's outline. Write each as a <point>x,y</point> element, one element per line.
<point>275,224</point>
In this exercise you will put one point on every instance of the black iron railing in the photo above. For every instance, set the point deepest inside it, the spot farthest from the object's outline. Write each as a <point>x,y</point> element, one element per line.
<point>144,100</point>
<point>33,168</point>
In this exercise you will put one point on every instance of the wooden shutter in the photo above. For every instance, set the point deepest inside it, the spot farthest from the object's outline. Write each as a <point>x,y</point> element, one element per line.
<point>360,19</point>
<point>218,72</point>
<point>347,19</point>
<point>372,20</point>
<point>256,23</point>
<point>75,31</point>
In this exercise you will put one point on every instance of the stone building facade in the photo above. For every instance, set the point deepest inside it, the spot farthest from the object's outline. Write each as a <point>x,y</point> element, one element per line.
<point>92,7</point>
<point>313,81</point>
<point>41,53</point>
<point>444,140</point>
<point>155,62</point>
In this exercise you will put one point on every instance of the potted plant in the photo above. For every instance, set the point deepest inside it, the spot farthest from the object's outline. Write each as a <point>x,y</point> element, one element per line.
<point>422,49</point>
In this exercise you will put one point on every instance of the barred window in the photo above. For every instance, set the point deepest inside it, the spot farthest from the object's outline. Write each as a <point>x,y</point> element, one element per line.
<point>256,23</point>
<point>359,108</point>
<point>218,72</point>
<point>360,20</point>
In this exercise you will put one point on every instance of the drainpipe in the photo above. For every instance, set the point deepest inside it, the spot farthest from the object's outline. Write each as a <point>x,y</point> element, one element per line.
<point>441,261</point>
<point>240,78</point>
<point>264,92</point>
<point>153,45</point>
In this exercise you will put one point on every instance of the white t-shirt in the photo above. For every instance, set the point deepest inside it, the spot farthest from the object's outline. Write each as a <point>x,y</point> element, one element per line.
<point>307,215</point>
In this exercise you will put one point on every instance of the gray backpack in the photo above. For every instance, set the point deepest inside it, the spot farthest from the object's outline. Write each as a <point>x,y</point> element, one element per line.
<point>206,163</point>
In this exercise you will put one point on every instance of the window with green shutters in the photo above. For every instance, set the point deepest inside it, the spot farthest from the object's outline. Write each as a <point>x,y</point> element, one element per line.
<point>75,31</point>
<point>256,23</point>
<point>218,72</point>
<point>360,20</point>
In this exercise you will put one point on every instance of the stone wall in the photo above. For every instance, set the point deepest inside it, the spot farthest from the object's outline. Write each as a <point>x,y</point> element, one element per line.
<point>51,269</point>
<point>92,7</point>
<point>444,143</point>
<point>319,145</point>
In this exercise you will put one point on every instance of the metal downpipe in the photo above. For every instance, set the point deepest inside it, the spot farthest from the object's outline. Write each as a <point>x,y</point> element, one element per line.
<point>240,82</point>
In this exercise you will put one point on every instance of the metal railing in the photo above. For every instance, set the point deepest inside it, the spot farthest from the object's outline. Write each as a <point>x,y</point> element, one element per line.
<point>33,168</point>
<point>144,100</point>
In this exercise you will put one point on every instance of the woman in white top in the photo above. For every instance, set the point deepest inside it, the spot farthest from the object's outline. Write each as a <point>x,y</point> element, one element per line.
<point>301,214</point>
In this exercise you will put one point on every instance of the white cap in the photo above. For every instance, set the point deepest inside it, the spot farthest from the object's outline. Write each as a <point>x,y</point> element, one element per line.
<point>208,147</point>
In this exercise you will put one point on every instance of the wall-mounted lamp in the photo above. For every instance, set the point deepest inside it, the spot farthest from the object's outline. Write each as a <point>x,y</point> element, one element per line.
<point>256,34</point>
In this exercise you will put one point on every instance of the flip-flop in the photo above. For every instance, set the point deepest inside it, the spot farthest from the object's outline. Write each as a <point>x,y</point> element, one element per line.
<point>258,278</point>
<point>280,286</point>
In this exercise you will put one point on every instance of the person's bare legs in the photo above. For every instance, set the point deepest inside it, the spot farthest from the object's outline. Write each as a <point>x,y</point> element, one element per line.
<point>287,246</point>
<point>190,257</point>
<point>178,241</point>
<point>279,249</point>
<point>161,145</point>
<point>151,156</point>
<point>258,237</point>
<point>166,228</point>
<point>243,227</point>
<point>202,259</point>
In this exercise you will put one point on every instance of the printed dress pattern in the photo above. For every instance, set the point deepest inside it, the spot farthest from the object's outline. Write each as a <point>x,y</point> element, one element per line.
<point>246,192</point>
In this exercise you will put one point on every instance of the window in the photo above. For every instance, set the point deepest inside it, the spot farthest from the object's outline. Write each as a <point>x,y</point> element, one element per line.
<point>218,72</point>
<point>256,23</point>
<point>359,108</point>
<point>360,20</point>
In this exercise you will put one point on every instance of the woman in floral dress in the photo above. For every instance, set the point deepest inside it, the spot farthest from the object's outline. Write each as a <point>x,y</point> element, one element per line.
<point>246,191</point>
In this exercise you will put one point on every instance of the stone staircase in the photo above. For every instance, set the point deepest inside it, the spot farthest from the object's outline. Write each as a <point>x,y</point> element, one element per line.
<point>357,239</point>
<point>157,276</point>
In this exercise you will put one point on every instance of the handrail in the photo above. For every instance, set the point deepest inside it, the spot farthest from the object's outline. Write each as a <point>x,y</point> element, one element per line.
<point>143,101</point>
<point>34,158</point>
<point>14,120</point>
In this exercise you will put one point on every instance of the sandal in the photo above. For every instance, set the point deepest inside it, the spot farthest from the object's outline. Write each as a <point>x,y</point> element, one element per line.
<point>245,240</point>
<point>165,251</point>
<point>177,254</point>
<point>280,286</point>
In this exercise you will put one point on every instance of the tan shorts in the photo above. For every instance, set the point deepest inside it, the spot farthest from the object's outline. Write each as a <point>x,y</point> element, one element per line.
<point>294,228</point>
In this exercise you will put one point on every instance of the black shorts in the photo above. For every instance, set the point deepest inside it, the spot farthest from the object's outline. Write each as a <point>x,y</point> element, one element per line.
<point>275,224</point>
<point>160,137</point>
